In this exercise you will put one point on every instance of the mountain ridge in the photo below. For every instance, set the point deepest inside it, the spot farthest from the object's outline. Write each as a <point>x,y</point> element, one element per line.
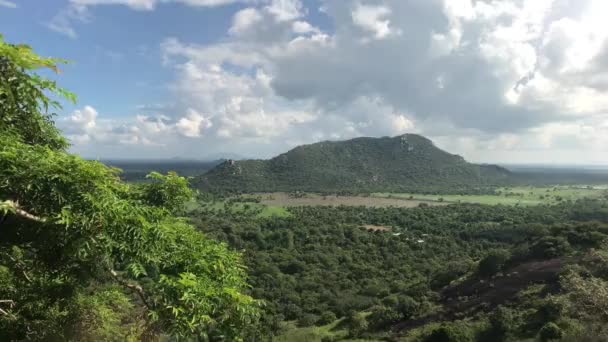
<point>408,162</point>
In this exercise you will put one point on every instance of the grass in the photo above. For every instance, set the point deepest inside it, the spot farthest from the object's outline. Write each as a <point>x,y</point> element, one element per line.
<point>257,209</point>
<point>511,196</point>
<point>292,333</point>
<point>280,199</point>
<point>276,204</point>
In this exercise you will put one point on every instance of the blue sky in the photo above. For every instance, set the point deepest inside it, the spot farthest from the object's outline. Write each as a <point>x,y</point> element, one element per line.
<point>508,80</point>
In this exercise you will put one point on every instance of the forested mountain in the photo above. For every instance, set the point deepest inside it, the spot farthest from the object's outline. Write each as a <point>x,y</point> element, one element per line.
<point>404,163</point>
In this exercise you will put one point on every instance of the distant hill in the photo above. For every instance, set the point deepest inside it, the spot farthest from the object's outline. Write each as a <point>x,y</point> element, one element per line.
<point>404,163</point>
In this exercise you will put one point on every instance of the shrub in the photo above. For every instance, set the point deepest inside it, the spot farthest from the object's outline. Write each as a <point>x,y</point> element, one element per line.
<point>493,262</point>
<point>408,307</point>
<point>381,317</point>
<point>307,320</point>
<point>550,331</point>
<point>550,247</point>
<point>451,333</point>
<point>326,318</point>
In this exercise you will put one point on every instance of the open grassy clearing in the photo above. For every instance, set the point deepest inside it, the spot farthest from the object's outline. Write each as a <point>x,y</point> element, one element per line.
<point>335,331</point>
<point>258,209</point>
<point>512,196</point>
<point>281,199</point>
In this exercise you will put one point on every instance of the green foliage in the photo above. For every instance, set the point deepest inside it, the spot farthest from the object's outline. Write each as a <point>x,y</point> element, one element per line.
<point>550,331</point>
<point>408,307</point>
<point>327,317</point>
<point>168,191</point>
<point>493,262</point>
<point>84,256</point>
<point>502,322</point>
<point>106,314</point>
<point>356,323</point>
<point>308,320</point>
<point>24,105</point>
<point>451,333</point>
<point>550,247</point>
<point>382,317</point>
<point>320,260</point>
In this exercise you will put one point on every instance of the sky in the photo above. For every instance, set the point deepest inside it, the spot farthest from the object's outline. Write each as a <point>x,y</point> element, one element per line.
<point>509,81</point>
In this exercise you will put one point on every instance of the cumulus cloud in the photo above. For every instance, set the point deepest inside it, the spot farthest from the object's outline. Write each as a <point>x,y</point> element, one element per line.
<point>373,19</point>
<point>483,78</point>
<point>193,124</point>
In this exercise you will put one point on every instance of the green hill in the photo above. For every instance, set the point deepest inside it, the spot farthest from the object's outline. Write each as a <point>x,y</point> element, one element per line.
<point>404,163</point>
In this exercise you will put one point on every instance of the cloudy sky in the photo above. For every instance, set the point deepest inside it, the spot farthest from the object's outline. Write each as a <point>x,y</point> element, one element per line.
<point>493,80</point>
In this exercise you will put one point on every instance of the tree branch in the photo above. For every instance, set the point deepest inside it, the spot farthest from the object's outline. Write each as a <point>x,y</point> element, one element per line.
<point>19,211</point>
<point>133,287</point>
<point>19,266</point>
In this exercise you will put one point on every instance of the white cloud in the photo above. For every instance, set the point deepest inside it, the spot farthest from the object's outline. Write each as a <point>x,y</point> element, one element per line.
<point>192,124</point>
<point>63,21</point>
<point>144,5</point>
<point>285,10</point>
<point>148,5</point>
<point>79,10</point>
<point>373,19</point>
<point>244,19</point>
<point>488,79</point>
<point>8,4</point>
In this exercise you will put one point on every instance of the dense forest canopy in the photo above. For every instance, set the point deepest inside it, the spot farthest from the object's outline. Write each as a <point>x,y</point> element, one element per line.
<point>84,256</point>
<point>408,273</point>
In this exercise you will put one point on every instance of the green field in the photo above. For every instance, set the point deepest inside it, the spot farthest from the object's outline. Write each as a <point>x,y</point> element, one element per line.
<point>257,209</point>
<point>277,204</point>
<point>512,196</point>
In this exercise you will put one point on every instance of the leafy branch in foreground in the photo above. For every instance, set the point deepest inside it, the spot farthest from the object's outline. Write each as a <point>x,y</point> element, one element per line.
<point>86,256</point>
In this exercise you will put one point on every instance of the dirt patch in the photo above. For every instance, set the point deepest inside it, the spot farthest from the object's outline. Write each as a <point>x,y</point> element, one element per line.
<point>285,200</point>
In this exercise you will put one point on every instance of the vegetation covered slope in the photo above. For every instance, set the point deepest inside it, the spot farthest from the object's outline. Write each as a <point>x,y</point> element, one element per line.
<point>408,162</point>
<point>454,273</point>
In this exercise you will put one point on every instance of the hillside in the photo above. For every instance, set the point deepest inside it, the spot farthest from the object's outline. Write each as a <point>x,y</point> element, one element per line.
<point>404,163</point>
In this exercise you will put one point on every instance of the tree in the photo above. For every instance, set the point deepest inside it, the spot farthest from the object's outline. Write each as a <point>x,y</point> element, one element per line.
<point>357,324</point>
<point>327,317</point>
<point>493,262</point>
<point>550,331</point>
<point>550,247</point>
<point>382,317</point>
<point>408,307</point>
<point>76,240</point>
<point>450,333</point>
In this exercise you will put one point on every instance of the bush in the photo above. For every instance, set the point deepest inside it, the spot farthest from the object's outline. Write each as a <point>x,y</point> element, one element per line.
<point>493,262</point>
<point>451,333</point>
<point>502,321</point>
<point>550,247</point>
<point>307,320</point>
<point>382,317</point>
<point>357,324</point>
<point>550,331</point>
<point>449,273</point>
<point>326,318</point>
<point>408,307</point>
